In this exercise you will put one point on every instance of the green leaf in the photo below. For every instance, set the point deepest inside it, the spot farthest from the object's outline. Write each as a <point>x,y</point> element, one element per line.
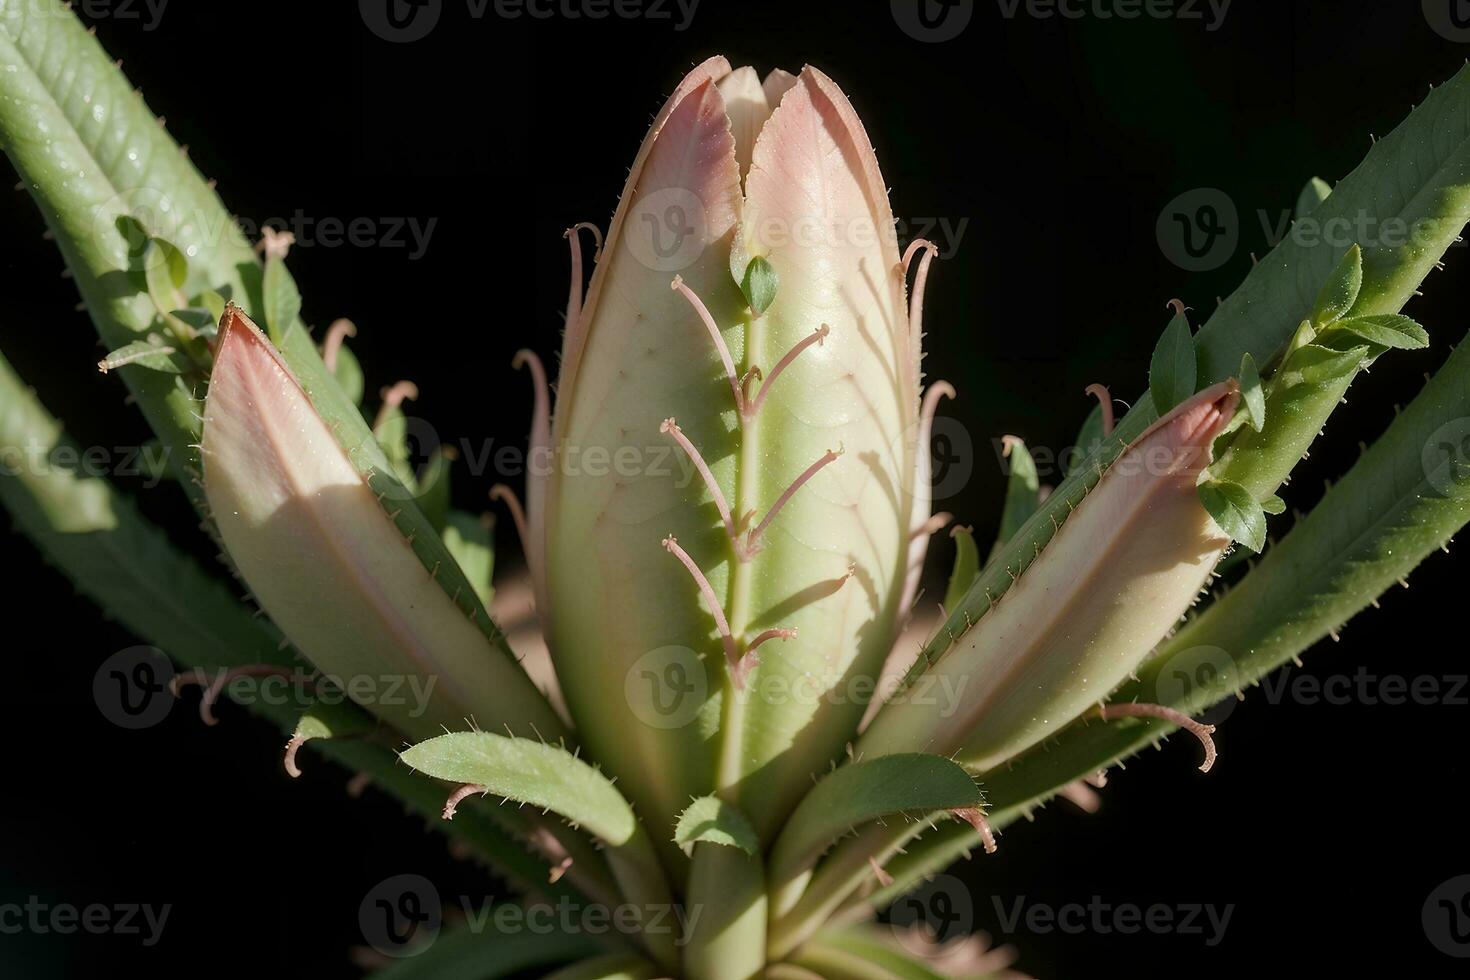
<point>759,285</point>
<point>165,270</point>
<point>142,353</point>
<point>859,954</point>
<point>1313,194</point>
<point>1088,439</point>
<point>1023,493</point>
<point>327,720</point>
<point>966,564</point>
<point>1393,330</point>
<point>213,302</point>
<point>1340,292</point>
<point>471,541</point>
<point>348,372</point>
<point>528,771</point>
<point>433,487</point>
<point>1318,365</point>
<point>612,966</point>
<point>853,794</point>
<point>1236,512</point>
<point>713,820</point>
<point>1172,371</point>
<point>1252,394</point>
<point>1273,505</point>
<point>282,299</point>
<point>469,953</point>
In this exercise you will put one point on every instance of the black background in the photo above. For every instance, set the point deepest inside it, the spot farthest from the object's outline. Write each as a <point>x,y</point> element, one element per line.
<point>1057,139</point>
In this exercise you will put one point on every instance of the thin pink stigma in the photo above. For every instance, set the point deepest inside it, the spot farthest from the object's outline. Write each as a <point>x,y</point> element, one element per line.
<point>1105,399</point>
<point>714,332</point>
<point>775,634</point>
<point>527,359</point>
<point>916,300</point>
<point>752,541</point>
<point>393,396</point>
<point>458,797</point>
<point>213,688</point>
<point>934,524</point>
<point>972,816</point>
<point>1177,305</point>
<point>817,336</point>
<point>1082,796</point>
<point>574,293</point>
<point>340,330</point>
<point>292,747</point>
<point>1199,730</point>
<point>884,878</point>
<point>559,870</point>
<point>1008,445</point>
<point>670,427</point>
<point>507,496</point>
<point>732,649</point>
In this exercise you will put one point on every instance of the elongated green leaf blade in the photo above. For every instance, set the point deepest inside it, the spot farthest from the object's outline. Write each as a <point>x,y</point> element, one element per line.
<point>1392,330</point>
<point>713,820</point>
<point>1340,292</point>
<point>1172,371</point>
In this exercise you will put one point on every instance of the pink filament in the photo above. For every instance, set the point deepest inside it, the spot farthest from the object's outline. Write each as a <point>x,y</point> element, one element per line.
<point>574,293</point>
<point>815,337</point>
<point>976,819</point>
<point>1105,399</point>
<point>714,332</point>
<point>670,427</point>
<point>292,747</point>
<point>340,330</point>
<point>775,634</point>
<point>1173,716</point>
<point>916,301</point>
<point>222,680</point>
<point>458,797</point>
<point>732,651</point>
<point>752,544</point>
<point>507,496</point>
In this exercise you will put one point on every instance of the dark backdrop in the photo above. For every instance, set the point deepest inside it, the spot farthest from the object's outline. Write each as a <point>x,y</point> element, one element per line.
<point>1053,142</point>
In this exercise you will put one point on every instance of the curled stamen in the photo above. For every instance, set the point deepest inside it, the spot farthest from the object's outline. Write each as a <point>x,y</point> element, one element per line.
<point>935,524</point>
<point>1008,445</point>
<point>458,797</point>
<point>972,816</point>
<point>504,494</point>
<point>1177,305</point>
<point>394,396</point>
<point>292,747</point>
<point>1082,796</point>
<point>1105,399</point>
<point>670,427</point>
<point>559,870</point>
<point>884,878</point>
<point>916,299</point>
<point>714,332</point>
<point>213,688</point>
<point>340,330</point>
<point>817,336</point>
<point>274,244</point>
<point>752,540</point>
<point>775,634</point>
<point>732,651</point>
<point>574,294</point>
<point>1199,730</point>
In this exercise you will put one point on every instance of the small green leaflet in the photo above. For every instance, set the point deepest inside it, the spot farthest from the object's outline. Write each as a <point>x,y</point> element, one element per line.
<point>1316,365</point>
<point>470,539</point>
<point>433,487</point>
<point>1252,394</point>
<point>1023,488</point>
<point>1173,370</point>
<point>1340,292</point>
<point>759,285</point>
<point>713,820</point>
<point>1236,512</point>
<point>851,795</point>
<point>348,372</point>
<point>1392,330</point>
<point>143,354</point>
<point>966,566</point>
<point>1089,437</point>
<point>1313,194</point>
<point>164,272</point>
<point>522,769</point>
<point>339,719</point>
<point>281,297</point>
<point>1273,505</point>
